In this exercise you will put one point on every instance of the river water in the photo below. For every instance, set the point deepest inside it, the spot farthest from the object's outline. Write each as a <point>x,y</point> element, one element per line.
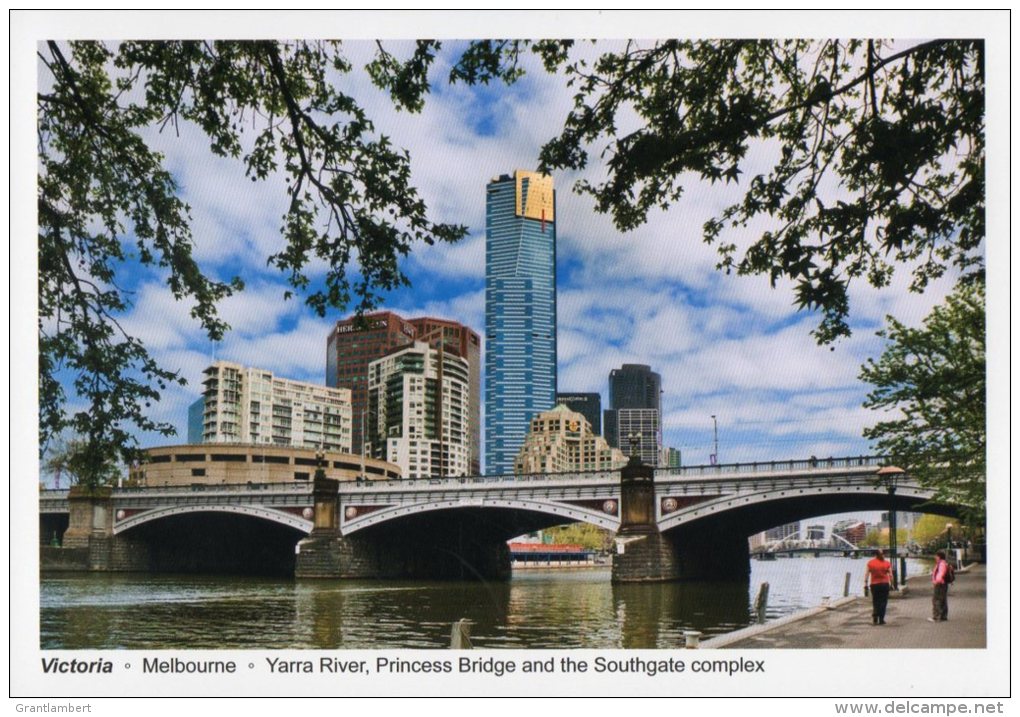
<point>546,608</point>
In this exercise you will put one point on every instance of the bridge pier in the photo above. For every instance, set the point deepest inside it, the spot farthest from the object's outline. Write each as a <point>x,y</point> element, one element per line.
<point>643,554</point>
<point>320,555</point>
<point>422,549</point>
<point>89,542</point>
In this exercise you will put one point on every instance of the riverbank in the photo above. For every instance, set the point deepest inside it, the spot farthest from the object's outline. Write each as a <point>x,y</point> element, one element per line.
<point>847,624</point>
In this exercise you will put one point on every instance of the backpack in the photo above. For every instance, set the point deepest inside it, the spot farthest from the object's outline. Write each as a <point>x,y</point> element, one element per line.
<point>950,575</point>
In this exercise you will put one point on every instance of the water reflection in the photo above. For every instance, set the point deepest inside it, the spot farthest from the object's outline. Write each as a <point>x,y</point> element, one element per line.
<point>537,609</point>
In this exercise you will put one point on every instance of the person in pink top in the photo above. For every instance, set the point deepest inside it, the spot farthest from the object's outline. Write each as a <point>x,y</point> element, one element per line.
<point>940,589</point>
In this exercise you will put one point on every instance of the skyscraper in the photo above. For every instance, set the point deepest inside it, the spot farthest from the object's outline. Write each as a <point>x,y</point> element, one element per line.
<point>636,389</point>
<point>351,345</point>
<point>520,311</point>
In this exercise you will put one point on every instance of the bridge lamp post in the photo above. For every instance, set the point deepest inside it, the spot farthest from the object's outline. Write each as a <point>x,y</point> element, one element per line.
<point>715,441</point>
<point>891,475</point>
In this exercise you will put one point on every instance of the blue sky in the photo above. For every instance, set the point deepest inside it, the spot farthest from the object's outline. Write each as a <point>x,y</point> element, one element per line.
<point>725,345</point>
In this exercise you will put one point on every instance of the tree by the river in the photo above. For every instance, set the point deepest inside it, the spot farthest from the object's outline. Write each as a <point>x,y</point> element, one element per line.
<point>930,382</point>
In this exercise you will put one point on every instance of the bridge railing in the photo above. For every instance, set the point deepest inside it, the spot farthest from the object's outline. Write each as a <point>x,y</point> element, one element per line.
<point>756,468</point>
<point>774,466</point>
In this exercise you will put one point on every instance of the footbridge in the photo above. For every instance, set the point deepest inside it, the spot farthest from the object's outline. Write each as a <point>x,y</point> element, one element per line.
<point>700,516</point>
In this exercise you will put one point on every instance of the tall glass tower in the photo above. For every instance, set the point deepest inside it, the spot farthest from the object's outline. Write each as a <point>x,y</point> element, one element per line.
<point>520,311</point>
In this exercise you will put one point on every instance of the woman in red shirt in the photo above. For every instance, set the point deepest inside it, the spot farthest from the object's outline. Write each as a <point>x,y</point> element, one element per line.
<point>879,573</point>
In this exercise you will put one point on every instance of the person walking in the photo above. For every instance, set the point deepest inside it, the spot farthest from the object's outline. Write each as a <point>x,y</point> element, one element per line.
<point>879,575</point>
<point>940,589</point>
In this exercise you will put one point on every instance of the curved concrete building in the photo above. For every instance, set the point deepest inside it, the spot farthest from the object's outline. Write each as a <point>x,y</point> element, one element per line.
<point>218,463</point>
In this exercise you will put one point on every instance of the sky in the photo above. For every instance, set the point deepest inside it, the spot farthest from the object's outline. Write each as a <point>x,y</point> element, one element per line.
<point>724,345</point>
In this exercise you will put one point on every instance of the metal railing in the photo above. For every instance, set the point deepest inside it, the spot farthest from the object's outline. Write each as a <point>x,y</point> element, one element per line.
<point>757,469</point>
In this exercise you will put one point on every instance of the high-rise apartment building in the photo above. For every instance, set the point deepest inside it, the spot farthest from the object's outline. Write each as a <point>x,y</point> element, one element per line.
<point>634,386</point>
<point>562,440</point>
<point>452,337</point>
<point>351,346</point>
<point>419,411</point>
<point>251,405</point>
<point>520,311</point>
<point>588,405</point>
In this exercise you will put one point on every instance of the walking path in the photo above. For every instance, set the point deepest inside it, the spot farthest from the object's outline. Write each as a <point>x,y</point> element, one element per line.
<point>847,624</point>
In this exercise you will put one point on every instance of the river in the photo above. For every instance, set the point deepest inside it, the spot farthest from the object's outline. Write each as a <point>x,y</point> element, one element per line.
<point>536,609</point>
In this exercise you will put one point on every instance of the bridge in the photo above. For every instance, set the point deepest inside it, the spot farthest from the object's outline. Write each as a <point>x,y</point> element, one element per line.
<point>679,522</point>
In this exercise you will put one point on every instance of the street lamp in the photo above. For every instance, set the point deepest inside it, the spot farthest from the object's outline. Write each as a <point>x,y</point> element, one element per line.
<point>635,441</point>
<point>890,475</point>
<point>715,441</point>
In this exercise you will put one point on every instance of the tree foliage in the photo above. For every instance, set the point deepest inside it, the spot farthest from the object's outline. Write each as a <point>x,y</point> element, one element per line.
<point>932,380</point>
<point>107,202</point>
<point>877,150</point>
<point>80,461</point>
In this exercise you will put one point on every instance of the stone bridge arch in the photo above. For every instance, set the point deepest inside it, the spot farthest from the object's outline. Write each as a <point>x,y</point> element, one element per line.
<point>763,509</point>
<point>290,520</point>
<point>534,514</point>
<point>210,538</point>
<point>710,537</point>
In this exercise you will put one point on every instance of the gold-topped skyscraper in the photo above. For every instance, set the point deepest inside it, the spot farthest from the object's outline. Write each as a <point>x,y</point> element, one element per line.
<point>520,311</point>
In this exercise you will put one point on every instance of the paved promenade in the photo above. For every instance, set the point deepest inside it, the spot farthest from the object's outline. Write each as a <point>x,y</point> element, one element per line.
<point>848,623</point>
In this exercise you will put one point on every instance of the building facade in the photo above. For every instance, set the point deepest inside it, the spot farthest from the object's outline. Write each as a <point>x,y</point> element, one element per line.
<point>670,458</point>
<point>419,411</point>
<point>561,441</point>
<point>207,464</point>
<point>520,311</point>
<point>640,425</point>
<point>351,346</point>
<point>196,421</point>
<point>634,387</point>
<point>458,339</point>
<point>251,405</point>
<point>782,532</point>
<point>588,405</point>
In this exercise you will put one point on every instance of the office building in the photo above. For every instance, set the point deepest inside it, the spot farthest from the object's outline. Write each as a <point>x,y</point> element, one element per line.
<point>196,421</point>
<point>520,311</point>
<point>639,432</point>
<point>351,346</point>
<point>634,387</point>
<point>588,405</point>
<point>562,441</point>
<point>419,411</point>
<point>251,405</point>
